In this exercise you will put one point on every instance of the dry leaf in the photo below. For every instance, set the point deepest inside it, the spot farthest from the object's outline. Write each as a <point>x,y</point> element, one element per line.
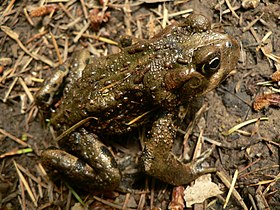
<point>202,189</point>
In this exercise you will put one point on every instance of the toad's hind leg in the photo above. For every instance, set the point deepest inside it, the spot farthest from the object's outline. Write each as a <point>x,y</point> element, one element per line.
<point>90,166</point>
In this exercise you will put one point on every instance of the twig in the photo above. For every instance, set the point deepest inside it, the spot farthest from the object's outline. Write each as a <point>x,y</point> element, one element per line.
<point>29,20</point>
<point>231,188</point>
<point>25,185</point>
<point>66,11</point>
<point>252,23</point>
<point>236,127</point>
<point>109,203</point>
<point>15,36</point>
<point>223,177</point>
<point>102,39</point>
<point>9,7</point>
<point>28,93</point>
<point>84,9</point>
<point>13,138</point>
<point>78,36</point>
<point>231,9</point>
<point>10,89</point>
<point>56,49</point>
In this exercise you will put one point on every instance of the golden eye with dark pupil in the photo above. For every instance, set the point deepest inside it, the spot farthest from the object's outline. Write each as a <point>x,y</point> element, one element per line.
<point>211,67</point>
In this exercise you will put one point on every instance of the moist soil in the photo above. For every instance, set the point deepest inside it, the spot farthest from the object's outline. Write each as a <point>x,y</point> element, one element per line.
<point>251,92</point>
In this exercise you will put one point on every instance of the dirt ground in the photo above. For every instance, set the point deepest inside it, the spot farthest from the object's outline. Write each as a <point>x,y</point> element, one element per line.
<point>35,37</point>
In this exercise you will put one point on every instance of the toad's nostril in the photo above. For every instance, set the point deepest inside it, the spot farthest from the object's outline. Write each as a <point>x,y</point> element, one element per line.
<point>229,44</point>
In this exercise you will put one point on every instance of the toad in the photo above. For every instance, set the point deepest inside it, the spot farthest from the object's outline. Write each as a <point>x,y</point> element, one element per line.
<point>145,83</point>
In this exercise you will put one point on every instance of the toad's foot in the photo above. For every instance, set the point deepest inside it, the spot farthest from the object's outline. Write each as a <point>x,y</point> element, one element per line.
<point>92,166</point>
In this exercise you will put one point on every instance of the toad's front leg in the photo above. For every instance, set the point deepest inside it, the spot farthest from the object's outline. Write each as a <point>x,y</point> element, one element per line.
<point>62,75</point>
<point>158,160</point>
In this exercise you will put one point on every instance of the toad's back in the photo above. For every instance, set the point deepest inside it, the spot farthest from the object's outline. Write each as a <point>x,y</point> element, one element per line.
<point>116,90</point>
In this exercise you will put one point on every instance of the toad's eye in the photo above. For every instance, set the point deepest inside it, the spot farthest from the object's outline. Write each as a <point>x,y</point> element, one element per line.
<point>211,67</point>
<point>208,63</point>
